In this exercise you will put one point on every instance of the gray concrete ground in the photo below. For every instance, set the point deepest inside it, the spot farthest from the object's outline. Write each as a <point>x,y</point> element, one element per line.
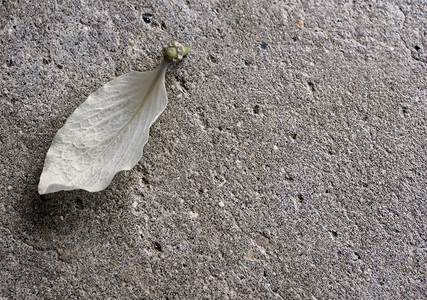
<point>290,162</point>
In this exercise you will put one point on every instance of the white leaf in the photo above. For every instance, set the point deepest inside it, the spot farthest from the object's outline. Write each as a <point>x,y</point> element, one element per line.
<point>105,134</point>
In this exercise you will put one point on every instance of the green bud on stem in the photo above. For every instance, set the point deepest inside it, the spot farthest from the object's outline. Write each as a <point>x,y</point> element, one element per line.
<point>174,51</point>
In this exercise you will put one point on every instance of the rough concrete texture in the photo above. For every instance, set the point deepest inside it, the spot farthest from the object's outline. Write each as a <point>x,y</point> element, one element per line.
<point>290,162</point>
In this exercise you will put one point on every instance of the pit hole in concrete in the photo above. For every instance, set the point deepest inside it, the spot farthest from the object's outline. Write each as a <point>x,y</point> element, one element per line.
<point>46,61</point>
<point>288,178</point>
<point>147,18</point>
<point>213,59</point>
<point>79,204</point>
<point>405,111</point>
<point>157,246</point>
<point>311,85</point>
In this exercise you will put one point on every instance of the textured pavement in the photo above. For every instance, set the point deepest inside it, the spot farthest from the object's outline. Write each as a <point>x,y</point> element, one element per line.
<point>290,162</point>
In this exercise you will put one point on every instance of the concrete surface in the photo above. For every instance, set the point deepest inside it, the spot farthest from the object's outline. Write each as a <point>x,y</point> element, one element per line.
<point>290,162</point>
